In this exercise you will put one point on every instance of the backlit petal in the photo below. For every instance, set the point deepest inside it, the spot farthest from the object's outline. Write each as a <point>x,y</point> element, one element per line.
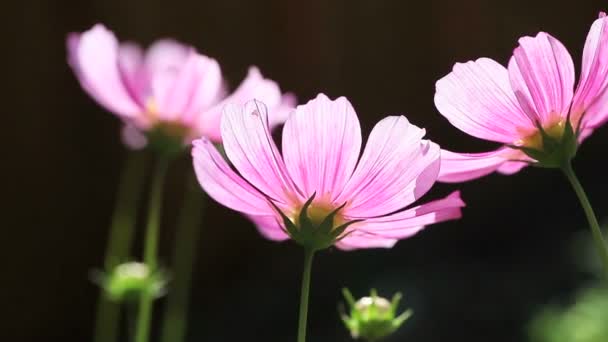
<point>460,167</point>
<point>396,168</point>
<point>224,185</point>
<point>195,85</point>
<point>594,72</point>
<point>408,222</point>
<point>254,86</point>
<point>542,76</point>
<point>321,145</point>
<point>93,56</point>
<point>269,227</point>
<point>384,232</point>
<point>250,148</point>
<point>476,97</point>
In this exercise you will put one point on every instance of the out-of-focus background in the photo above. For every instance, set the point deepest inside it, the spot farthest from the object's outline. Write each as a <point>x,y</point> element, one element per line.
<point>482,278</point>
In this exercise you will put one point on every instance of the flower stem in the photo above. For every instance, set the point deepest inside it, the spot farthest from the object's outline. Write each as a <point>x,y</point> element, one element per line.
<point>188,231</point>
<point>120,239</point>
<point>596,231</point>
<point>308,256</point>
<point>144,314</point>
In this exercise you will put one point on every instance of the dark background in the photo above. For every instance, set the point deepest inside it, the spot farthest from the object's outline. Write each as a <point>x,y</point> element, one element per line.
<point>479,279</point>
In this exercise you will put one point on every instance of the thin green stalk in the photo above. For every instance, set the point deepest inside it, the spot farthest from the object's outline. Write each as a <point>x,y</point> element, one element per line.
<point>308,256</point>
<point>144,315</point>
<point>596,232</point>
<point>187,236</point>
<point>120,240</point>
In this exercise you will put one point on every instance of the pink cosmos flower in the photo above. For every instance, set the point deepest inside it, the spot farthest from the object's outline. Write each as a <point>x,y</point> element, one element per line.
<point>320,162</point>
<point>525,105</point>
<point>168,87</point>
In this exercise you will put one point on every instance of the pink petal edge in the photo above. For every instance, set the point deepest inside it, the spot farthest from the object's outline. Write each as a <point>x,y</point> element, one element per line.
<point>461,167</point>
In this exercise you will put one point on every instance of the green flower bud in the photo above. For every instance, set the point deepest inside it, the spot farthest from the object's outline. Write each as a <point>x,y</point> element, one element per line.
<point>128,281</point>
<point>373,318</point>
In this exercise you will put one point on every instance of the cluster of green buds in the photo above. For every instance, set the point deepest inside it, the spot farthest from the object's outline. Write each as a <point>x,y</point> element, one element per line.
<point>373,318</point>
<point>128,281</point>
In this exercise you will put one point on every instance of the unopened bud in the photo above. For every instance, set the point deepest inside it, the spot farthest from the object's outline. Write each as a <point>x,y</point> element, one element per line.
<point>128,281</point>
<point>373,318</point>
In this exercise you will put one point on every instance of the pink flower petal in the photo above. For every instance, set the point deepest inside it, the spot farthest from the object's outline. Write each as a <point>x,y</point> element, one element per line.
<point>321,145</point>
<point>361,240</point>
<point>597,113</point>
<point>208,91</point>
<point>287,106</point>
<point>252,151</point>
<point>461,167</point>
<point>196,85</point>
<point>93,56</point>
<point>476,97</point>
<point>408,222</point>
<point>72,42</point>
<point>224,185</point>
<point>132,137</point>
<point>542,76</point>
<point>512,167</point>
<point>130,64</point>
<point>594,72</point>
<point>165,54</point>
<point>164,73</point>
<point>396,168</point>
<point>384,232</point>
<point>269,227</point>
<point>254,86</point>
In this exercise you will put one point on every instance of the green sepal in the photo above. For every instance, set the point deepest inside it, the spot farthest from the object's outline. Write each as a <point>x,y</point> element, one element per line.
<point>303,219</point>
<point>290,227</point>
<point>350,300</point>
<point>338,232</point>
<point>309,234</point>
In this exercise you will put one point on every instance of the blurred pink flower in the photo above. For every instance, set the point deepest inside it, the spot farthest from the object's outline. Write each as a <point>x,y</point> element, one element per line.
<point>320,157</point>
<point>509,106</point>
<point>169,86</point>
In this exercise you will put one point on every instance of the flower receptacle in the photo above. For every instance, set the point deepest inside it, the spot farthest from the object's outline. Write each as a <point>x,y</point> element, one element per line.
<point>167,138</point>
<point>553,147</point>
<point>313,230</point>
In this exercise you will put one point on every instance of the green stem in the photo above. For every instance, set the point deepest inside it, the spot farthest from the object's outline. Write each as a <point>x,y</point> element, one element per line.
<point>308,256</point>
<point>120,240</point>
<point>188,231</point>
<point>144,315</point>
<point>596,232</point>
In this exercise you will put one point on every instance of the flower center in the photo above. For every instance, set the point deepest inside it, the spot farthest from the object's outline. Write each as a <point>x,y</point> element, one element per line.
<point>315,225</point>
<point>318,211</point>
<point>169,128</point>
<point>535,140</point>
<point>167,136</point>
